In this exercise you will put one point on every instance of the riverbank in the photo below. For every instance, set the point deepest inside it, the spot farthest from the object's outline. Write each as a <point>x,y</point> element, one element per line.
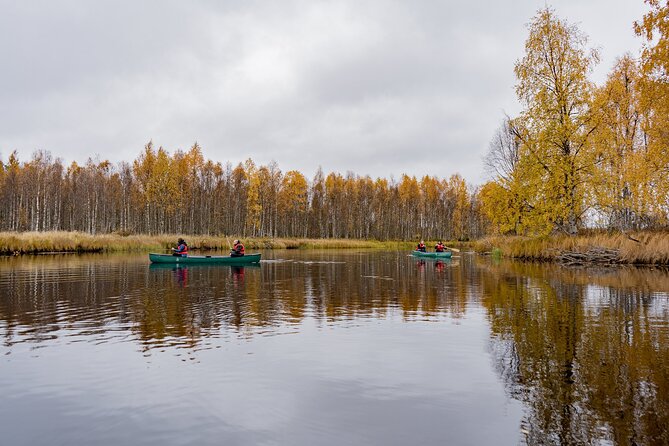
<point>637,248</point>
<point>14,243</point>
<point>647,248</point>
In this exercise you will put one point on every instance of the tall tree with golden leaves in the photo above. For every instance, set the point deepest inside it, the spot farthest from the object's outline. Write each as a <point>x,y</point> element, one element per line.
<point>293,203</point>
<point>253,206</point>
<point>654,27</point>
<point>557,117</point>
<point>620,189</point>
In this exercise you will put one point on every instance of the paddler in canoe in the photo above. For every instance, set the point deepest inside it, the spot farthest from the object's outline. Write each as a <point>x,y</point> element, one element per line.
<point>440,251</point>
<point>237,249</point>
<point>181,250</point>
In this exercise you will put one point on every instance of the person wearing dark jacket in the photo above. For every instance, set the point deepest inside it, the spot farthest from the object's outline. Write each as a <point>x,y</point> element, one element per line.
<point>237,249</point>
<point>421,247</point>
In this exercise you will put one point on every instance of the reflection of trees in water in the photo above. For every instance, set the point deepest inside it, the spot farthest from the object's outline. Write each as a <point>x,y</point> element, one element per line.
<point>365,287</point>
<point>587,353</point>
<point>39,299</point>
<point>170,305</point>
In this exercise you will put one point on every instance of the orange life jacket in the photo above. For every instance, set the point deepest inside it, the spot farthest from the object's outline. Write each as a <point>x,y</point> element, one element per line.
<point>239,248</point>
<point>182,249</point>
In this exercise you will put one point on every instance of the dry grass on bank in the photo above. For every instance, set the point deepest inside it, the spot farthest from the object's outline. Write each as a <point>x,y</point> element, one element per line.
<point>43,242</point>
<point>634,248</point>
<point>36,242</point>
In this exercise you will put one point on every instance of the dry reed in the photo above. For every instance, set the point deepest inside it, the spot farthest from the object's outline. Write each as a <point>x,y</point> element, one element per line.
<point>42,242</point>
<point>634,248</point>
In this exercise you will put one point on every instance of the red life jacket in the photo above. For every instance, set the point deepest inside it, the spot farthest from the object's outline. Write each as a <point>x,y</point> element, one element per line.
<point>421,247</point>
<point>239,248</point>
<point>439,248</point>
<point>183,249</point>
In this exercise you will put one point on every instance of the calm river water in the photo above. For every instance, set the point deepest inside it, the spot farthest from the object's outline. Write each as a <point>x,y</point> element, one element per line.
<point>331,348</point>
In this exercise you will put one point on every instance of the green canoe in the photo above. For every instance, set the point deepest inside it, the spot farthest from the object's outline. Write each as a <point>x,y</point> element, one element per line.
<point>433,255</point>
<point>212,260</point>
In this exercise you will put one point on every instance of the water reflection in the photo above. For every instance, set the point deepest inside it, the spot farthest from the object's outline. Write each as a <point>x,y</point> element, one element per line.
<point>586,351</point>
<point>186,303</point>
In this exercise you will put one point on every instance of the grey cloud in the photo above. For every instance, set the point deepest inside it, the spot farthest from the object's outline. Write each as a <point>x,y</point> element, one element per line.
<point>376,87</point>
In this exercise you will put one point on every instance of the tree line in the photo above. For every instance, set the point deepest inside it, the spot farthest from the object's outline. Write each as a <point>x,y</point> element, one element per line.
<point>581,154</point>
<point>185,193</point>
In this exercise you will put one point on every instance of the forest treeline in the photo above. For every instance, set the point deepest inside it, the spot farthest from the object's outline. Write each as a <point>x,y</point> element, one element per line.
<point>185,193</point>
<point>581,154</point>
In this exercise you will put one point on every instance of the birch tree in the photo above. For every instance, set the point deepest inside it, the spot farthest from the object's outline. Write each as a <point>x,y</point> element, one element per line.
<point>557,118</point>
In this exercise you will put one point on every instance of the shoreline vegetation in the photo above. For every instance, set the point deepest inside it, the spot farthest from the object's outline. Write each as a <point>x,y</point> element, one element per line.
<point>18,243</point>
<point>638,248</point>
<point>641,248</point>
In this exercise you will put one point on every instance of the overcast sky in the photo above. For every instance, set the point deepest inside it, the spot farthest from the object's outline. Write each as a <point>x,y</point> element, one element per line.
<point>376,87</point>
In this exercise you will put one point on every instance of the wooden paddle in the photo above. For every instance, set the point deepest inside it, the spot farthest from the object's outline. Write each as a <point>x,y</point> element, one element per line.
<point>229,244</point>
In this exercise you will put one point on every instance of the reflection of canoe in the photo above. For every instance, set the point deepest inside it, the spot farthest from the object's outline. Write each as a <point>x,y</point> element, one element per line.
<point>205,260</point>
<point>433,255</point>
<point>167,266</point>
